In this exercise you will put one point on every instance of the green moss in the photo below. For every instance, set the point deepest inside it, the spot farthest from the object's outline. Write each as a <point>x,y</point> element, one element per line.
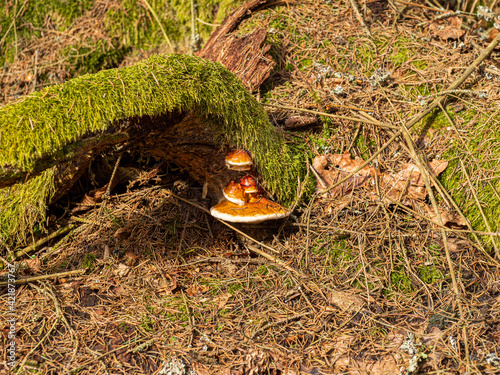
<point>481,166</point>
<point>43,125</point>
<point>400,52</point>
<point>88,262</point>
<point>400,281</point>
<point>429,274</point>
<point>261,271</point>
<point>147,323</point>
<point>233,288</point>
<point>365,146</point>
<point>24,205</point>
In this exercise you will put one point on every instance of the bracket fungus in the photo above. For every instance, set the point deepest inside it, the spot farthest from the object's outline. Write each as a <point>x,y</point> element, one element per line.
<point>239,160</point>
<point>250,213</point>
<point>234,193</point>
<point>244,200</point>
<point>249,185</point>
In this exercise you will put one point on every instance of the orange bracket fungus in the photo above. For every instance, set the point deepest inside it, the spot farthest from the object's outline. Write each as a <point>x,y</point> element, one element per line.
<point>244,200</point>
<point>250,212</point>
<point>239,160</point>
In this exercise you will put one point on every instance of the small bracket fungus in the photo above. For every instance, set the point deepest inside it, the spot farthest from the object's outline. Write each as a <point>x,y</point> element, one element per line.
<point>251,212</point>
<point>249,185</point>
<point>244,201</point>
<point>234,193</point>
<point>239,160</point>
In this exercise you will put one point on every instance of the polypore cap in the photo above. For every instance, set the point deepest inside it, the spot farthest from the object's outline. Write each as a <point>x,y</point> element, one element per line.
<point>249,184</point>
<point>239,160</point>
<point>251,212</point>
<point>234,193</point>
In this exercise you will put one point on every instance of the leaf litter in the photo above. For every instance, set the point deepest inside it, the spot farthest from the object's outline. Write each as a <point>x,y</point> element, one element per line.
<point>405,186</point>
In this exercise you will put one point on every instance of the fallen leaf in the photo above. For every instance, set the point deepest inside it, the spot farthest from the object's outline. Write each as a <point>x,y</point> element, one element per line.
<point>119,290</point>
<point>123,233</point>
<point>409,180</point>
<point>334,167</point>
<point>168,287</point>
<point>299,121</point>
<point>447,218</point>
<point>406,186</point>
<point>345,301</point>
<point>447,28</point>
<point>493,34</point>
<point>130,257</point>
<point>194,290</point>
<point>30,266</point>
<point>98,193</point>
<point>122,270</point>
<point>222,300</point>
<point>106,252</point>
<point>99,311</point>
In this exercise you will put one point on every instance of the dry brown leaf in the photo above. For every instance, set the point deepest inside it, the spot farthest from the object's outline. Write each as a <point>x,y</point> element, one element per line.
<point>409,181</point>
<point>334,167</point>
<point>493,35</point>
<point>168,288</point>
<point>299,121</point>
<point>222,300</point>
<point>448,218</point>
<point>130,258</point>
<point>87,200</point>
<point>30,266</point>
<point>106,254</point>
<point>194,290</point>
<point>123,233</point>
<point>122,270</point>
<point>406,186</point>
<point>97,194</point>
<point>256,361</point>
<point>345,301</point>
<point>449,28</point>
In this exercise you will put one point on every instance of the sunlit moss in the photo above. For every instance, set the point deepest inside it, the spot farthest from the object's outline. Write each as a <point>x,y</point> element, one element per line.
<point>43,125</point>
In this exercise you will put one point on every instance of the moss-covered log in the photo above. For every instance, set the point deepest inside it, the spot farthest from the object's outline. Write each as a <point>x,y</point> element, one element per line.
<point>179,108</point>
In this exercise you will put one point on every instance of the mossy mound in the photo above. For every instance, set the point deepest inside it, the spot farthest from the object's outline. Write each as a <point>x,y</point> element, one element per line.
<point>472,175</point>
<point>42,129</point>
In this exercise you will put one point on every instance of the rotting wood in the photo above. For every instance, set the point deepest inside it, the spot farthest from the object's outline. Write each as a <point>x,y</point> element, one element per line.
<point>244,56</point>
<point>181,109</point>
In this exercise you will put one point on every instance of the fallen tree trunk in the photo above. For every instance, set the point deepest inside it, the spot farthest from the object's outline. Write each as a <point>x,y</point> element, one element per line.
<point>179,108</point>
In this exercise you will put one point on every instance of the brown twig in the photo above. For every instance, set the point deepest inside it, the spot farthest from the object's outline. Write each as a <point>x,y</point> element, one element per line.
<point>360,18</point>
<point>43,241</point>
<point>366,121</point>
<point>45,277</point>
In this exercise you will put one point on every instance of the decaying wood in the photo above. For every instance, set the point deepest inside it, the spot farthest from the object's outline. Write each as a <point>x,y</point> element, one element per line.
<point>232,21</point>
<point>185,140</point>
<point>244,56</point>
<point>295,122</point>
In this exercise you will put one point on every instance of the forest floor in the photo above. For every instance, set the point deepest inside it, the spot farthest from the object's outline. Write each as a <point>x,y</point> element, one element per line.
<point>356,281</point>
